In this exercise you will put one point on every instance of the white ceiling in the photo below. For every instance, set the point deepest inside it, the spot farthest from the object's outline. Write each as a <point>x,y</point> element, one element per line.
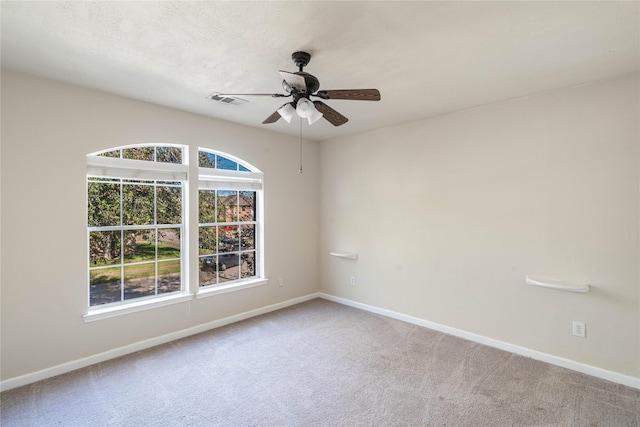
<point>426,58</point>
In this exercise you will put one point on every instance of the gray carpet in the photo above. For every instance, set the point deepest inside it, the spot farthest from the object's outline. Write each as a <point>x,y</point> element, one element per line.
<point>321,364</point>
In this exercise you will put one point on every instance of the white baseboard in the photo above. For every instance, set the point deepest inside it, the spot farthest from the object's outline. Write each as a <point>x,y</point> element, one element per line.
<point>152,342</point>
<point>594,371</point>
<point>142,345</point>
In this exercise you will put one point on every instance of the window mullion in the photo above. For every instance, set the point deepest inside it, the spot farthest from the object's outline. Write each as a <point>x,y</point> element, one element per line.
<point>121,237</point>
<point>217,257</point>
<point>121,265</point>
<point>157,231</point>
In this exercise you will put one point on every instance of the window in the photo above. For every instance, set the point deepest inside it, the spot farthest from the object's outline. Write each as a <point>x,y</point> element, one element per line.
<point>135,223</point>
<point>228,229</point>
<point>137,199</point>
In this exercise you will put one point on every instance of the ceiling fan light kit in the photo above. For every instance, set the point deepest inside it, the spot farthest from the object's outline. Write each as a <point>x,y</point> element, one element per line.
<point>301,86</point>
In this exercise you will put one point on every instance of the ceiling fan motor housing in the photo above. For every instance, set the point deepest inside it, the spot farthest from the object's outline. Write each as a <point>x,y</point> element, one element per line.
<point>312,83</point>
<point>301,59</point>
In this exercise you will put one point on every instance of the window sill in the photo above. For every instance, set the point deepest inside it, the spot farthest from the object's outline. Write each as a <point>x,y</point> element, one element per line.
<point>98,313</point>
<point>236,286</point>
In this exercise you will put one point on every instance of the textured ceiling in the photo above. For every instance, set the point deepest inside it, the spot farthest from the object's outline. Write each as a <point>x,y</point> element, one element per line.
<point>426,58</point>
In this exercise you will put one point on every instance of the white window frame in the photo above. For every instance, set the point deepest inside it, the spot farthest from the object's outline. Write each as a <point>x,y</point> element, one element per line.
<point>108,167</point>
<point>208,178</point>
<point>224,179</point>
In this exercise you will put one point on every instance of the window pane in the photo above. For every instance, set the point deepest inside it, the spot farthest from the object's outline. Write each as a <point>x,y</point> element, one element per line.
<point>247,205</point>
<point>168,276</point>
<point>104,248</point>
<point>169,155</point>
<point>169,204</point>
<point>137,206</point>
<point>139,280</point>
<point>104,285</point>
<point>103,203</point>
<point>139,245</point>
<point>94,178</point>
<point>228,267</point>
<point>113,153</point>
<point>208,271</point>
<point>168,243</point>
<point>206,160</point>
<point>138,153</point>
<point>207,206</point>
<point>248,264</point>
<point>243,169</point>
<point>224,163</point>
<point>247,237</point>
<point>227,206</point>
<point>208,240</point>
<point>228,236</point>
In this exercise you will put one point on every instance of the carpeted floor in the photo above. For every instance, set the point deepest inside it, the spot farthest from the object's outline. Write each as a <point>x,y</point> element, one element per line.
<point>321,364</point>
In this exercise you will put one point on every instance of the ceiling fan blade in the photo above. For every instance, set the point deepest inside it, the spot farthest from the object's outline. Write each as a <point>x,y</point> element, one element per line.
<point>354,94</point>
<point>294,81</point>
<point>218,96</point>
<point>330,114</point>
<point>272,118</point>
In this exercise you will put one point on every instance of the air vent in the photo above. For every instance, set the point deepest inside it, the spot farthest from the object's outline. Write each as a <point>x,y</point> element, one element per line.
<point>226,99</point>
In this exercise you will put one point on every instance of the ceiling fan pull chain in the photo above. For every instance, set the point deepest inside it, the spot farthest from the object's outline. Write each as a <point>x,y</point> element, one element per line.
<point>301,145</point>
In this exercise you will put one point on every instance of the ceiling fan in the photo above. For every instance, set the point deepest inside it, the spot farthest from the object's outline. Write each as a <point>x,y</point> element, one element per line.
<point>301,86</point>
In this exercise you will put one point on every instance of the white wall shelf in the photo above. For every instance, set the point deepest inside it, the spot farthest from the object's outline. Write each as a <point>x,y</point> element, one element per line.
<point>557,284</point>
<point>348,255</point>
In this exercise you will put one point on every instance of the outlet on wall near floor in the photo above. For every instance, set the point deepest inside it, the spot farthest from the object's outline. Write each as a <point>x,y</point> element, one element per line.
<point>280,282</point>
<point>352,280</point>
<point>579,329</point>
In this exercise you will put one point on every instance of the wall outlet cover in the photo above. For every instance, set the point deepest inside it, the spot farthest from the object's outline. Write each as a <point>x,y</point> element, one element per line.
<point>579,329</point>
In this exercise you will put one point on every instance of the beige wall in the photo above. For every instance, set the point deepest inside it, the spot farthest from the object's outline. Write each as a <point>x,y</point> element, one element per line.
<point>449,214</point>
<point>47,130</point>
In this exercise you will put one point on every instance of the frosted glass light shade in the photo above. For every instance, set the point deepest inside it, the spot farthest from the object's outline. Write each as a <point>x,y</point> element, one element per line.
<point>314,117</point>
<point>307,110</point>
<point>286,112</point>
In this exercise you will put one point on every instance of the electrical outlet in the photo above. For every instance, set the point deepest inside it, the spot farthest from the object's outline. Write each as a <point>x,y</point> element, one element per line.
<point>579,329</point>
<point>280,282</point>
<point>352,280</point>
